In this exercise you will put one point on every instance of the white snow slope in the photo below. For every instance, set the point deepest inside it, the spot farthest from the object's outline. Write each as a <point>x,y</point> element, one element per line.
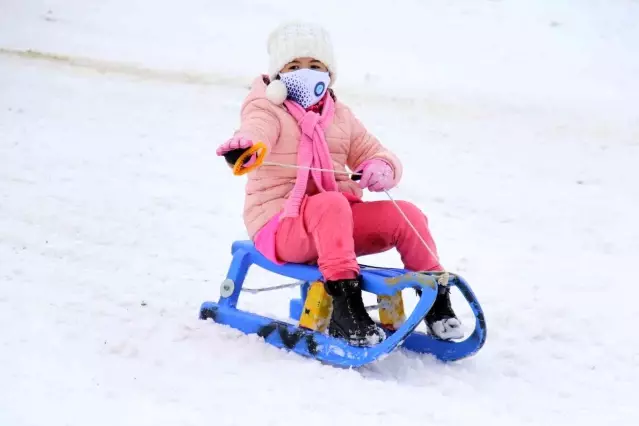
<point>518,125</point>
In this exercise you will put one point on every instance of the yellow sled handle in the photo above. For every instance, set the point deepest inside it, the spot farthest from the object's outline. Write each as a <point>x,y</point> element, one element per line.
<point>260,149</point>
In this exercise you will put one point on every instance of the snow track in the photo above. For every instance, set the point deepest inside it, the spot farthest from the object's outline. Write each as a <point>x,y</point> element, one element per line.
<point>116,220</point>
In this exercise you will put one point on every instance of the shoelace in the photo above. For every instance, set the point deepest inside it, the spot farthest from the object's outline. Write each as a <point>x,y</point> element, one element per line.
<point>355,305</point>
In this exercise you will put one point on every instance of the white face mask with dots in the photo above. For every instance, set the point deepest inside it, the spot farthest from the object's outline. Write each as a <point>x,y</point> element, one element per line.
<point>306,86</point>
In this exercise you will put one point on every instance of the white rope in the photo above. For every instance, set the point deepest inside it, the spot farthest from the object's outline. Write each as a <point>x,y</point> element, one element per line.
<point>432,253</point>
<point>443,279</point>
<point>291,166</point>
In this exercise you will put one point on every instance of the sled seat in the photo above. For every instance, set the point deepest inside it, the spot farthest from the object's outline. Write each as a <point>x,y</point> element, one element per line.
<point>380,281</point>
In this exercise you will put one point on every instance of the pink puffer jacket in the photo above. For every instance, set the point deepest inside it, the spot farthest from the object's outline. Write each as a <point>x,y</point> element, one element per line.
<point>269,187</point>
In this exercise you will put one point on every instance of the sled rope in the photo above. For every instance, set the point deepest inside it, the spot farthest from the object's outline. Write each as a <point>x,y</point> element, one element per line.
<point>432,253</point>
<point>291,166</point>
<point>260,149</point>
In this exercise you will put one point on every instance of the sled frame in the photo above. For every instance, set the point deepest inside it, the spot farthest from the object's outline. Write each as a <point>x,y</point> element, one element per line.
<point>334,351</point>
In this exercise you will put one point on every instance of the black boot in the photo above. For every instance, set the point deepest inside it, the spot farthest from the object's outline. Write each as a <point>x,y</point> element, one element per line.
<point>349,320</point>
<point>441,320</point>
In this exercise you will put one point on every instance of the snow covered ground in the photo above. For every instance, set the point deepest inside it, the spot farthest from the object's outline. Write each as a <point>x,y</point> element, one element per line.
<point>518,125</point>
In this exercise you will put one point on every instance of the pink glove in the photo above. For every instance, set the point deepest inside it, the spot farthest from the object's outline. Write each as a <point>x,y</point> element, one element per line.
<point>233,144</point>
<point>236,142</point>
<point>377,175</point>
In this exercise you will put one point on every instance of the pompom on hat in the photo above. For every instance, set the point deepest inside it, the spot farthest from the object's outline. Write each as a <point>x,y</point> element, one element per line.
<point>296,39</point>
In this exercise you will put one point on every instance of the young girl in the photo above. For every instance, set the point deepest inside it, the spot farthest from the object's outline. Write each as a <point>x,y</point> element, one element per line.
<point>301,216</point>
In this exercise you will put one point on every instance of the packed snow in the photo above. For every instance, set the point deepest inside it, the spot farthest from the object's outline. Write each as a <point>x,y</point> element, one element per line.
<point>518,126</point>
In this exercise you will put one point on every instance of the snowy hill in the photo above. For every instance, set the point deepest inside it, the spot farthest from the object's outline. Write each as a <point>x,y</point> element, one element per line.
<point>518,126</point>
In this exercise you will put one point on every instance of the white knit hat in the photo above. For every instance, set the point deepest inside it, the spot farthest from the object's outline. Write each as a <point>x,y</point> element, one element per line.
<point>293,40</point>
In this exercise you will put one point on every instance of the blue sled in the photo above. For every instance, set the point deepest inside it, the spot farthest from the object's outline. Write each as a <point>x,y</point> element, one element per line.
<point>334,351</point>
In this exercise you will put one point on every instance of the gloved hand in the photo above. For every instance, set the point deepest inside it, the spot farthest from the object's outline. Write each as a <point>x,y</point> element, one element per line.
<point>233,148</point>
<point>377,175</point>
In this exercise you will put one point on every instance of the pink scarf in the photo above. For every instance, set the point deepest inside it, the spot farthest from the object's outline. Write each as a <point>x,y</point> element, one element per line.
<point>312,152</point>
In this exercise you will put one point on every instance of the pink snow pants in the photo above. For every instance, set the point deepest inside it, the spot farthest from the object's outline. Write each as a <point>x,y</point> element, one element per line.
<point>333,231</point>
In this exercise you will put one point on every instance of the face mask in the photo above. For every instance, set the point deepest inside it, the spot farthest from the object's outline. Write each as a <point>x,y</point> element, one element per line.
<point>306,86</point>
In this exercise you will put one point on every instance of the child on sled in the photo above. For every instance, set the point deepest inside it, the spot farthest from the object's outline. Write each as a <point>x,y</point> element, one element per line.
<point>310,216</point>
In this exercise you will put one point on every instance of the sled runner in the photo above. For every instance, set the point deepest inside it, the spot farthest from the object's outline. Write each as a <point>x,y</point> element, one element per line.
<point>312,311</point>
